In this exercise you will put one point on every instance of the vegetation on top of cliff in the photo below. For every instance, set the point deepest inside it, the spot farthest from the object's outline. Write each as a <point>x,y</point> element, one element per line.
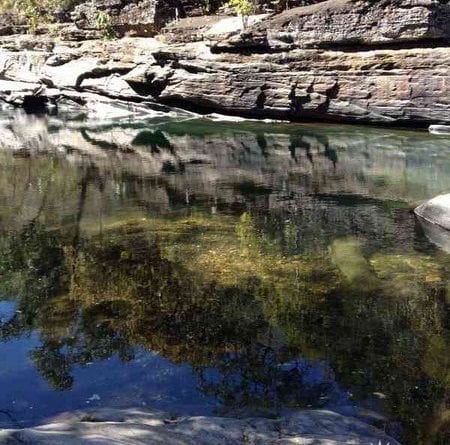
<point>33,11</point>
<point>243,8</point>
<point>36,12</point>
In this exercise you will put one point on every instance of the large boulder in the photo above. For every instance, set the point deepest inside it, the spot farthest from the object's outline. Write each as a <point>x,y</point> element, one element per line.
<point>434,218</point>
<point>436,211</point>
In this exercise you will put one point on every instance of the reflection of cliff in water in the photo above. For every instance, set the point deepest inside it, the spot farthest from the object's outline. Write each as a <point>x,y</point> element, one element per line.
<point>385,164</point>
<point>314,175</point>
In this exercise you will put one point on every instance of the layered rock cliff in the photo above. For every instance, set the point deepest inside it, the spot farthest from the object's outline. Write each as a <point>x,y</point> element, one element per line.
<point>383,62</point>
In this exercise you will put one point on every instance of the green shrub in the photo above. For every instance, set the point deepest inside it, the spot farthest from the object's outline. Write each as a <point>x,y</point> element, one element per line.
<point>105,23</point>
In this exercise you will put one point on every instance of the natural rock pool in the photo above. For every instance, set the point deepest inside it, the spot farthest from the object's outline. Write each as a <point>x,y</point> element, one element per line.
<point>209,267</point>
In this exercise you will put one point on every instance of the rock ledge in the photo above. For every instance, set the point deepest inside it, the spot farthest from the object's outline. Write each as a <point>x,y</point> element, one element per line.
<point>137,427</point>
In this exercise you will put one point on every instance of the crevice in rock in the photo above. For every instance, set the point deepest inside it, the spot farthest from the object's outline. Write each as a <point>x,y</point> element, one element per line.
<point>152,87</point>
<point>296,101</point>
<point>192,69</point>
<point>261,99</point>
<point>397,45</point>
<point>246,50</point>
<point>35,104</point>
<point>331,93</point>
<point>97,73</point>
<point>146,89</point>
<point>350,46</point>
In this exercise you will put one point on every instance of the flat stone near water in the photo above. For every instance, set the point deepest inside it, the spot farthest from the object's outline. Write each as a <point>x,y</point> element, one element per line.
<point>138,427</point>
<point>439,129</point>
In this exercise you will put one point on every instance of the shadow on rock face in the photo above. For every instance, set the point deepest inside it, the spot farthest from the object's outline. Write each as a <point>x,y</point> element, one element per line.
<point>434,217</point>
<point>436,234</point>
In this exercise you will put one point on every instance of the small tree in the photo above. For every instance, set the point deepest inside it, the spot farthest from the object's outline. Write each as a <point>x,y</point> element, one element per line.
<point>243,8</point>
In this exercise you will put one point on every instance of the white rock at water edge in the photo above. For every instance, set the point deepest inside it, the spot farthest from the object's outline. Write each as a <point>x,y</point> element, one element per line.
<point>436,211</point>
<point>439,129</point>
<point>137,426</point>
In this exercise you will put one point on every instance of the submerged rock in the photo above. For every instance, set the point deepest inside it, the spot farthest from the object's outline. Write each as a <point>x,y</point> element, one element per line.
<point>136,426</point>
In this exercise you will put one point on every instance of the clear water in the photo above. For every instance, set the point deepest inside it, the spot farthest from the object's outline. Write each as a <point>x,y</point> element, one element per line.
<point>221,267</point>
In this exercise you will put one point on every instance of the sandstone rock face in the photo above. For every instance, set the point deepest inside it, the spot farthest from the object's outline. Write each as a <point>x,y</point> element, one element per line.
<point>136,426</point>
<point>436,211</point>
<point>73,33</point>
<point>195,29</point>
<point>140,18</point>
<point>347,23</point>
<point>383,86</point>
<point>124,15</point>
<point>11,22</point>
<point>271,70</point>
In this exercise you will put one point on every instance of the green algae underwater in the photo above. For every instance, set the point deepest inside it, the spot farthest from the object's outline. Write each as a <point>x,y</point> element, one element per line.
<point>213,267</point>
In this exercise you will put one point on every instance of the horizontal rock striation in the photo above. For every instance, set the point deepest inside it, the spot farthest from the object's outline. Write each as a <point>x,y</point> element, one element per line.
<point>139,18</point>
<point>383,62</point>
<point>381,86</point>
<point>349,24</point>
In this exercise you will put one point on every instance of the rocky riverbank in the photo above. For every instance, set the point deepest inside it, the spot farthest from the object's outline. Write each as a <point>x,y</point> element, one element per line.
<point>138,426</point>
<point>348,61</point>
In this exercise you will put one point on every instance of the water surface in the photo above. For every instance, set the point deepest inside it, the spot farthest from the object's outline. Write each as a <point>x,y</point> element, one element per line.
<point>210,267</point>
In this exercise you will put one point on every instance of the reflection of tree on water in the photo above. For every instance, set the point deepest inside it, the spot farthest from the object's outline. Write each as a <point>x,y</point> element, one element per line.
<point>112,294</point>
<point>107,298</point>
<point>155,140</point>
<point>261,376</point>
<point>32,267</point>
